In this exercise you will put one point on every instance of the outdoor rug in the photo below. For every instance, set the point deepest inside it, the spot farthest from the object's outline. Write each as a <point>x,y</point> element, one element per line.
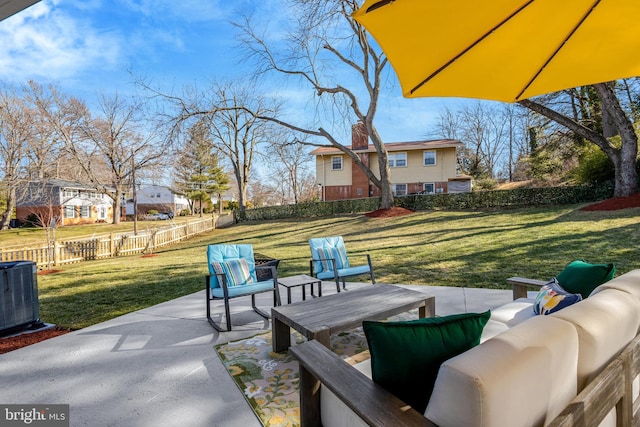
<point>269,381</point>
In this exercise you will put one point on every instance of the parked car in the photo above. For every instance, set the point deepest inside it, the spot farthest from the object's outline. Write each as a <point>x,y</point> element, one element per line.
<point>156,217</point>
<point>169,214</point>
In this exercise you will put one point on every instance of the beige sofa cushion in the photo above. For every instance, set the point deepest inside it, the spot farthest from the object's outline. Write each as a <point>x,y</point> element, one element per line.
<point>514,312</point>
<point>628,282</point>
<point>523,377</point>
<point>606,322</point>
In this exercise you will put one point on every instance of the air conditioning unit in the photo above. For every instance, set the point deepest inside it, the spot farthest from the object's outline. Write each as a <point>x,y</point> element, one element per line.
<point>19,308</point>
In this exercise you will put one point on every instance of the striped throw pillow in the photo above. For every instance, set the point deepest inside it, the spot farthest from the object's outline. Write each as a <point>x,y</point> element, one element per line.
<point>325,255</point>
<point>341,257</point>
<point>236,271</point>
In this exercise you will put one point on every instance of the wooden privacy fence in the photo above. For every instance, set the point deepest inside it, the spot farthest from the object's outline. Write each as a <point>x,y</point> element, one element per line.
<point>108,245</point>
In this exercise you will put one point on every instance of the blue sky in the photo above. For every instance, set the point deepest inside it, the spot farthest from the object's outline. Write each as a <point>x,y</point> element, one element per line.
<point>88,47</point>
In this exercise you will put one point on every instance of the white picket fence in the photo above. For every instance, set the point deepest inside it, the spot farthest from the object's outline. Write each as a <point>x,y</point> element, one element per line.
<point>111,245</point>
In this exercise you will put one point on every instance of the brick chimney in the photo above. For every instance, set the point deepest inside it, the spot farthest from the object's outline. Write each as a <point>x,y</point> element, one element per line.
<point>359,137</point>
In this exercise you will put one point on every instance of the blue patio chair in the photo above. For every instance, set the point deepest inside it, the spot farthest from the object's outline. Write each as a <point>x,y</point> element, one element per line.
<point>232,274</point>
<point>329,260</point>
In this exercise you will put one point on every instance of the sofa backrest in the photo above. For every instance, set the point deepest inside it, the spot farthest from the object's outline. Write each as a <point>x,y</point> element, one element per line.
<point>606,322</point>
<point>628,282</point>
<point>524,376</point>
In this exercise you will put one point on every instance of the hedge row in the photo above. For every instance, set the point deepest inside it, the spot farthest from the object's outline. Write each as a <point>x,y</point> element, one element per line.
<point>522,197</point>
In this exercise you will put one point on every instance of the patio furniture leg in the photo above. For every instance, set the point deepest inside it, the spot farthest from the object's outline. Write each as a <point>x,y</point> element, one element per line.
<point>281,335</point>
<point>309,399</point>
<point>428,309</point>
<point>373,278</point>
<point>256,309</point>
<point>209,318</point>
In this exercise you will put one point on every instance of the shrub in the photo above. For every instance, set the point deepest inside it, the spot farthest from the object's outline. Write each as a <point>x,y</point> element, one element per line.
<point>32,220</point>
<point>520,197</point>
<point>594,166</point>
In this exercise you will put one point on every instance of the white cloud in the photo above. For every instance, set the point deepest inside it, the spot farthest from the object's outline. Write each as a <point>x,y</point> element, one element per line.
<point>45,42</point>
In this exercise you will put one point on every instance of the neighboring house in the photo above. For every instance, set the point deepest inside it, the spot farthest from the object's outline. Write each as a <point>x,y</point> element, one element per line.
<point>159,198</point>
<point>68,202</point>
<point>427,167</point>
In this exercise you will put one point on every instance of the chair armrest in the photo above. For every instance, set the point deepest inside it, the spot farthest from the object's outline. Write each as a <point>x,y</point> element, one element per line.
<point>520,285</point>
<point>375,405</point>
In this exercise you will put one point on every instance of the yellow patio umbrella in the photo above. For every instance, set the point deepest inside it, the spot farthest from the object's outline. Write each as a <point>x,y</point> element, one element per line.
<point>504,50</point>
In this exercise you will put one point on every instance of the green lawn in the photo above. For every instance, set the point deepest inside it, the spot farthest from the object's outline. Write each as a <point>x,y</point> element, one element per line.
<point>452,248</point>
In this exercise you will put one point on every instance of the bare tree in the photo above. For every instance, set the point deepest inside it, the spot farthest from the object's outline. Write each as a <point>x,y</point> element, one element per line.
<point>121,138</point>
<point>292,167</point>
<point>16,130</point>
<point>236,132</point>
<point>325,44</point>
<point>45,153</point>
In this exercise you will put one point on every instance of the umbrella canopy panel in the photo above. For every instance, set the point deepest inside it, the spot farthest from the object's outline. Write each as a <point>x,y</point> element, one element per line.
<point>504,50</point>
<point>11,7</point>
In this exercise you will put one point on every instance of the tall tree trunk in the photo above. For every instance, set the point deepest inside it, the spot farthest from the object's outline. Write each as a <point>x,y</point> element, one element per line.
<point>626,176</point>
<point>5,220</point>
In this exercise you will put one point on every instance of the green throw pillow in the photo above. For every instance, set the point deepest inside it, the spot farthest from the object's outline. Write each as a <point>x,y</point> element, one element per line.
<point>580,277</point>
<point>406,356</point>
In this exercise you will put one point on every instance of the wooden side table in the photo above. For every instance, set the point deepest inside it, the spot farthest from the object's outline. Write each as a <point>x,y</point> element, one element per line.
<point>300,280</point>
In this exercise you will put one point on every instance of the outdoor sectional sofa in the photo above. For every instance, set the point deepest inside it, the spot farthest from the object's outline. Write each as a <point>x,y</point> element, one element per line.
<point>578,366</point>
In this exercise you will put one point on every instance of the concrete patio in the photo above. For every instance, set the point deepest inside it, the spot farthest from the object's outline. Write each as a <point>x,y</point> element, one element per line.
<point>157,366</point>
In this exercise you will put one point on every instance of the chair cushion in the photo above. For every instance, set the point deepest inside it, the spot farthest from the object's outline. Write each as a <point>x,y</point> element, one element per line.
<point>514,312</point>
<point>406,356</point>
<point>345,272</point>
<point>580,277</point>
<point>238,291</point>
<point>223,252</point>
<point>552,298</point>
<point>236,271</point>
<point>333,249</point>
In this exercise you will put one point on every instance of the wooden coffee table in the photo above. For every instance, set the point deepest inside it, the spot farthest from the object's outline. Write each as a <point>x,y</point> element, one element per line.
<point>322,317</point>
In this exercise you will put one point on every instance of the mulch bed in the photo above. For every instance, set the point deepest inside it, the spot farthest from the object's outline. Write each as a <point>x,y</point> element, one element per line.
<point>13,343</point>
<point>389,213</point>
<point>615,203</point>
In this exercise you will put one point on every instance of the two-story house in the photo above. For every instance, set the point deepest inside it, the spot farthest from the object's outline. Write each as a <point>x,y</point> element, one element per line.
<point>427,167</point>
<point>67,202</point>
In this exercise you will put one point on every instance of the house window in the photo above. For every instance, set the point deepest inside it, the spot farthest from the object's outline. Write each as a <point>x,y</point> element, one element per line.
<point>429,158</point>
<point>336,163</point>
<point>85,211</point>
<point>428,188</point>
<point>399,189</point>
<point>397,160</point>
<point>69,211</point>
